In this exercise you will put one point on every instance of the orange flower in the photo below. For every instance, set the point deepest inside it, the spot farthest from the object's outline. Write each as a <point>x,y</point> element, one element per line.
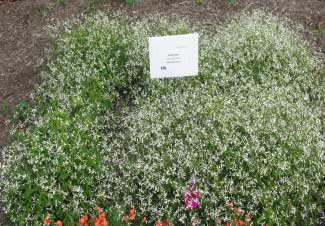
<point>104,223</point>
<point>83,221</point>
<point>58,223</point>
<point>228,204</point>
<point>159,223</point>
<point>238,222</point>
<point>102,215</point>
<point>100,220</point>
<point>47,221</point>
<point>99,209</point>
<point>132,213</point>
<point>227,224</point>
<point>97,222</point>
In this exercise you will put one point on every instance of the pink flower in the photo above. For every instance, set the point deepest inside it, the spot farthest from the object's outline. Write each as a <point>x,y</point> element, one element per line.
<point>191,199</point>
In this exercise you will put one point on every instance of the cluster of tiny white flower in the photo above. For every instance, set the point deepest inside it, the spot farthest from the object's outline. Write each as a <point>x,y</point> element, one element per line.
<point>248,127</point>
<point>55,167</point>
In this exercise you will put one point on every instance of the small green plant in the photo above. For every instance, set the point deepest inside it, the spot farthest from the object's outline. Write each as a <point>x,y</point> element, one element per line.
<point>232,2</point>
<point>320,32</point>
<point>62,2</point>
<point>131,2</point>
<point>4,108</point>
<point>199,2</point>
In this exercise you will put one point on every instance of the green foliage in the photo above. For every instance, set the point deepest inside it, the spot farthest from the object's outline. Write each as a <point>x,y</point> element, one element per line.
<point>131,2</point>
<point>320,32</point>
<point>4,108</point>
<point>199,2</point>
<point>100,132</point>
<point>62,2</point>
<point>248,127</point>
<point>55,167</point>
<point>232,2</point>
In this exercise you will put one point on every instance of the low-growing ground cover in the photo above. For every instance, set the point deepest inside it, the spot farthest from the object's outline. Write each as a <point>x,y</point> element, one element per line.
<point>101,133</point>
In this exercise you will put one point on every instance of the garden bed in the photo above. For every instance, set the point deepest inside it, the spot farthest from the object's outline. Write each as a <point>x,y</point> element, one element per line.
<point>65,115</point>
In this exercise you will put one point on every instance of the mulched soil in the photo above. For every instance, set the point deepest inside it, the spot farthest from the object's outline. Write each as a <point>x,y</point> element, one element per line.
<point>24,43</point>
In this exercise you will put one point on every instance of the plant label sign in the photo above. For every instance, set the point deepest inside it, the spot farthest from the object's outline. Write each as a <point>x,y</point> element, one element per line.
<point>174,56</point>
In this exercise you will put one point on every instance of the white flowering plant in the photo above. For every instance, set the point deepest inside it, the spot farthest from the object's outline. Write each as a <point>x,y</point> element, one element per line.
<point>249,128</point>
<point>99,132</point>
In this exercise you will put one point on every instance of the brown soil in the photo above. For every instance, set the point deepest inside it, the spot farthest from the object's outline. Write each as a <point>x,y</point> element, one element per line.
<point>23,45</point>
<point>23,41</point>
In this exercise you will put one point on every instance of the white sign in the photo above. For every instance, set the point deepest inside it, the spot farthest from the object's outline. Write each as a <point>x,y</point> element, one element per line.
<point>174,56</point>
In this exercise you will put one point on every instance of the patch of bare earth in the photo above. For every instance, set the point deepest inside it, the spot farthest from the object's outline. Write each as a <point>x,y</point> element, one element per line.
<point>309,13</point>
<point>23,45</point>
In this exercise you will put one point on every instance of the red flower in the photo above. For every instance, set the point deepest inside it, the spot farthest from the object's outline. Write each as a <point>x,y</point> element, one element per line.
<point>47,221</point>
<point>102,215</point>
<point>83,221</point>
<point>101,220</point>
<point>241,222</point>
<point>131,214</point>
<point>159,223</point>
<point>238,222</point>
<point>58,223</point>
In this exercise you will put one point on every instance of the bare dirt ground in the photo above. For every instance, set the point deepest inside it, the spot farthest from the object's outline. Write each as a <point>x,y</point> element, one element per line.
<point>23,41</point>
